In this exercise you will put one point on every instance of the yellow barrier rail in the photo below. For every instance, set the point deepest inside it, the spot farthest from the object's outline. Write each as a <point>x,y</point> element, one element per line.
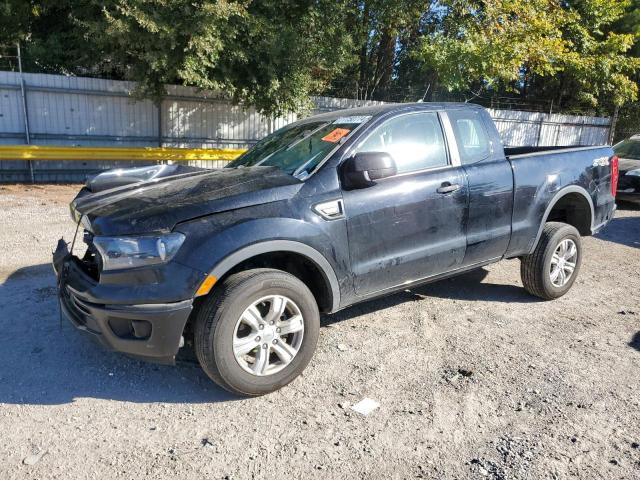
<point>41,152</point>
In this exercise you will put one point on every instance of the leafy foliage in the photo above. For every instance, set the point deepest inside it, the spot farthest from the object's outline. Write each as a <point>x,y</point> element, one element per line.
<point>578,54</point>
<point>493,42</point>
<point>511,45</point>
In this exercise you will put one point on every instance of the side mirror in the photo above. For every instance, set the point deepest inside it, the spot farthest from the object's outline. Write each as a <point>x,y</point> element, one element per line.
<point>364,168</point>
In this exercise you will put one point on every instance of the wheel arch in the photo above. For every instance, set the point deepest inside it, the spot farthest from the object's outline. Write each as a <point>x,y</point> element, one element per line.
<point>297,258</point>
<point>571,205</point>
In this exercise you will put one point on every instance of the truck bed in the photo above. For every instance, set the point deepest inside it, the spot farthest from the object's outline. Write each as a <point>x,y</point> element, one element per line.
<point>540,174</point>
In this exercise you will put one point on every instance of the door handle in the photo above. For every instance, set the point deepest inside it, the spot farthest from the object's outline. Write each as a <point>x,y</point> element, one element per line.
<point>447,187</point>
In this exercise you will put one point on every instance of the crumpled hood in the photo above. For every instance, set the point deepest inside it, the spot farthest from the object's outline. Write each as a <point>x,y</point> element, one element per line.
<point>158,205</point>
<point>125,176</point>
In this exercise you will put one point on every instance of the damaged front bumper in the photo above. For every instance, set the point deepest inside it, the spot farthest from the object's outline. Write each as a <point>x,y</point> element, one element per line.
<point>149,331</point>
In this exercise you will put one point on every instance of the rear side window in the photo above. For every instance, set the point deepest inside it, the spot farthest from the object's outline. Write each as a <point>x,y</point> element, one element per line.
<point>471,135</point>
<point>415,141</point>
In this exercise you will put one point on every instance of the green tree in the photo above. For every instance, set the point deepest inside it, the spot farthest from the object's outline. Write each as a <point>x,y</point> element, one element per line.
<point>534,47</point>
<point>479,45</point>
<point>14,20</point>
<point>578,54</point>
<point>270,54</point>
<point>379,32</point>
<point>51,38</point>
<point>597,65</point>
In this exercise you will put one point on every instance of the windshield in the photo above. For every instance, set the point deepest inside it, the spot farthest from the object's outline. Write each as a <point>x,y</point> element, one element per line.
<point>628,149</point>
<point>298,148</point>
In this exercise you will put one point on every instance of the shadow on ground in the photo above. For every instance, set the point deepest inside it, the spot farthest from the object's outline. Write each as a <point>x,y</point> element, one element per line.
<point>635,341</point>
<point>466,287</point>
<point>44,361</point>
<point>623,230</point>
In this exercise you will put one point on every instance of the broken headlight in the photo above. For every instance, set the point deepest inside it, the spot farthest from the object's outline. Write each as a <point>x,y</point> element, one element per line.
<point>131,252</point>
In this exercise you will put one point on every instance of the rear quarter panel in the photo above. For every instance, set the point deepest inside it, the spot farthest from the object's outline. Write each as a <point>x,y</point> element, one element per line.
<point>541,179</point>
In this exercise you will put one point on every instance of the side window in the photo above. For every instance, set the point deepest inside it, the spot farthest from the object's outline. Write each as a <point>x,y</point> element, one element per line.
<point>415,141</point>
<point>471,135</point>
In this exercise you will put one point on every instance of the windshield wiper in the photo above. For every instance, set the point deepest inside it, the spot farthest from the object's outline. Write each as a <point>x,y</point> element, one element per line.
<point>303,168</point>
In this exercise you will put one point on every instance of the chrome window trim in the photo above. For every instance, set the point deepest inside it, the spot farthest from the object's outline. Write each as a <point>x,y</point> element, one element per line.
<point>416,172</point>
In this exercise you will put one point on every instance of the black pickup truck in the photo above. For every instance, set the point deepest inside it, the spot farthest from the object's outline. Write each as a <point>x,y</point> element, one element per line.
<point>324,213</point>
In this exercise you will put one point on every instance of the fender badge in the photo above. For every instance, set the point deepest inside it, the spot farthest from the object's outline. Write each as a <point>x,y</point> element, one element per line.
<point>601,162</point>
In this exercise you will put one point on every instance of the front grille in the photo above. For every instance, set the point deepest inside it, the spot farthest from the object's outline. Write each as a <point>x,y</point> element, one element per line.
<point>79,314</point>
<point>80,311</point>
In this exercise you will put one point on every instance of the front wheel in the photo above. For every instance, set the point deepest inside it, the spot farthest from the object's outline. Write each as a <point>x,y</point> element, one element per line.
<point>549,272</point>
<point>257,331</point>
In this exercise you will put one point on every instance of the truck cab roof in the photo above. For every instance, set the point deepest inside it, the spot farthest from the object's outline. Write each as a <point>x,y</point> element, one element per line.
<point>386,108</point>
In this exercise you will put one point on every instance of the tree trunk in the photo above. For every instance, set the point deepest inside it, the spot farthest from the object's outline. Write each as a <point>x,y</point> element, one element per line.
<point>612,127</point>
<point>385,63</point>
<point>364,57</point>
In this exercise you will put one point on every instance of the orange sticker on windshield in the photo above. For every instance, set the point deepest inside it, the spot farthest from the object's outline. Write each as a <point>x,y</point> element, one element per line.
<point>335,135</point>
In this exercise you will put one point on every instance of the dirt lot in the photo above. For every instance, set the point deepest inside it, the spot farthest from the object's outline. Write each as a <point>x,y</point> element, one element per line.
<point>475,379</point>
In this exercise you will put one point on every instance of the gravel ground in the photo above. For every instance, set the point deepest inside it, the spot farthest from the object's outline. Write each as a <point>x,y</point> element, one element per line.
<point>475,379</point>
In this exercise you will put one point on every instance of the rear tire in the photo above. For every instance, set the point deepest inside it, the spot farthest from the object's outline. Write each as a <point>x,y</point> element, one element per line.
<point>550,271</point>
<point>243,310</point>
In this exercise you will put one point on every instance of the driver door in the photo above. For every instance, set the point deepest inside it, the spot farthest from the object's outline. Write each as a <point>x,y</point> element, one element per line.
<point>413,225</point>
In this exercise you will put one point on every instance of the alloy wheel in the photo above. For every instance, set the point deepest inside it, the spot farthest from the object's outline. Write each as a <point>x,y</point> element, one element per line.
<point>268,335</point>
<point>563,262</point>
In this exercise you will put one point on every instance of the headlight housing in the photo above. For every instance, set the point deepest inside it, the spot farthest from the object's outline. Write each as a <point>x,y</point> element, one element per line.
<point>633,173</point>
<point>132,252</point>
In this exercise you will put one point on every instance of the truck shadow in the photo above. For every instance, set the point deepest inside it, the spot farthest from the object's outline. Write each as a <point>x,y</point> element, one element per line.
<point>622,230</point>
<point>469,286</point>
<point>46,362</point>
<point>466,286</point>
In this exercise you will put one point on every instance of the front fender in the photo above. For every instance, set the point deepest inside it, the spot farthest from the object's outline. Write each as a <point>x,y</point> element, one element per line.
<point>214,246</point>
<point>267,246</point>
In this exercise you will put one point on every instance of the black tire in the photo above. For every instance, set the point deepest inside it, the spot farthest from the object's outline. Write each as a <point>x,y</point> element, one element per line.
<point>535,268</point>
<point>216,320</point>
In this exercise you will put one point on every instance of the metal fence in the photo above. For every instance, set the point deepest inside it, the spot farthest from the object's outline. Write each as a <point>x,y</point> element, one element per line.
<point>519,129</point>
<point>41,109</point>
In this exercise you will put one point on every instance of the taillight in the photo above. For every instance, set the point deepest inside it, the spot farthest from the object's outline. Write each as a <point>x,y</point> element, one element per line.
<point>614,175</point>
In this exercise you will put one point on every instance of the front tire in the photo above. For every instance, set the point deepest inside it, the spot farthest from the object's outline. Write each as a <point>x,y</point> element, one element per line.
<point>550,271</point>
<point>257,331</point>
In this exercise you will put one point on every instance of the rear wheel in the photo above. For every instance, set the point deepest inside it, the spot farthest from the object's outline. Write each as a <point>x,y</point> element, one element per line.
<point>257,331</point>
<point>549,272</point>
